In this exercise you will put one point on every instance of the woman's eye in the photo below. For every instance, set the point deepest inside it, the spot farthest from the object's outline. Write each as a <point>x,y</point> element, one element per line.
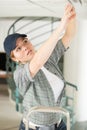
<point>25,41</point>
<point>19,48</point>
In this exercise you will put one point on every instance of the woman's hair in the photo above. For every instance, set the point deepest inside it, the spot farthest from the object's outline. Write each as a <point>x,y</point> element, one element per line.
<point>12,56</point>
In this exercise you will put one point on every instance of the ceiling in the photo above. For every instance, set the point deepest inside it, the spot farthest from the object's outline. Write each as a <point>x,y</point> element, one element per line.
<point>17,8</point>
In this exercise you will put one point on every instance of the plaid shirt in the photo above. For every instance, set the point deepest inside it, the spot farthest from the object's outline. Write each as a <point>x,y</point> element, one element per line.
<point>37,91</point>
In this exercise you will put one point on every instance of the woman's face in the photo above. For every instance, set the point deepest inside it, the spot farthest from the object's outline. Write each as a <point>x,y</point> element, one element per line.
<point>24,50</point>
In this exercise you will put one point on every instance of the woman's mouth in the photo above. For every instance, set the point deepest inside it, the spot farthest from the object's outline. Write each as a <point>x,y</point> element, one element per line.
<point>29,52</point>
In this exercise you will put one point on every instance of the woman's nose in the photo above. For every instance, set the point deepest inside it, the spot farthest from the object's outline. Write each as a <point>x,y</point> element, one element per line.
<point>24,48</point>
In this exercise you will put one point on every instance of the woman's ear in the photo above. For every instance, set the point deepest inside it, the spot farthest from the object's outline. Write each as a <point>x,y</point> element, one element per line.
<point>14,59</point>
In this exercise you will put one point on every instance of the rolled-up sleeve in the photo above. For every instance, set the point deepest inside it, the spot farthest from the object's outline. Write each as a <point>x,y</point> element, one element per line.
<point>58,52</point>
<point>22,78</point>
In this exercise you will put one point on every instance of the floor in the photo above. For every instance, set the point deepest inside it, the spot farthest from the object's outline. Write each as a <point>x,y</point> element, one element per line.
<point>10,118</point>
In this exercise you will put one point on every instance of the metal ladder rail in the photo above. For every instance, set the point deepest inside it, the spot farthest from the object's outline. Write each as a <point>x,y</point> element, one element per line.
<point>48,110</point>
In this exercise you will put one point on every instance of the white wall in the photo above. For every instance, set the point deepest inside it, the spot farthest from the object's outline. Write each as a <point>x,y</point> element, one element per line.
<point>82,70</point>
<point>75,68</point>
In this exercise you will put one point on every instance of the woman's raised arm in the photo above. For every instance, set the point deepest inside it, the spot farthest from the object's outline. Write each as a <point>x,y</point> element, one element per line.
<point>46,49</point>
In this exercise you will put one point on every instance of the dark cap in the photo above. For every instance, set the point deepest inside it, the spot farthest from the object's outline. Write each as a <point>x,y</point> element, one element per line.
<point>10,42</point>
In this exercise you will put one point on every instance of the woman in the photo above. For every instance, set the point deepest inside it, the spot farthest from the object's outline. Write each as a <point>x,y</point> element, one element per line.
<point>38,77</point>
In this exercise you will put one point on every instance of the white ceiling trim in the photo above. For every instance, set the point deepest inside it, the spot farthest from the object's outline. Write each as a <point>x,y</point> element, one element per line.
<point>54,8</point>
<point>18,8</point>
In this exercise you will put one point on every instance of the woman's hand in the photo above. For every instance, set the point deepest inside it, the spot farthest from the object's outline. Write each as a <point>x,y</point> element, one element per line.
<point>69,14</point>
<point>68,23</point>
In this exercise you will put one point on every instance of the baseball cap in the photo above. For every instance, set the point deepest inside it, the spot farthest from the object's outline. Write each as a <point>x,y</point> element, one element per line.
<point>10,42</point>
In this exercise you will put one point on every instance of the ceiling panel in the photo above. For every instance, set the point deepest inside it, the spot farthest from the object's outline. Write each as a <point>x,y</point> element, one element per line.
<point>18,8</point>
